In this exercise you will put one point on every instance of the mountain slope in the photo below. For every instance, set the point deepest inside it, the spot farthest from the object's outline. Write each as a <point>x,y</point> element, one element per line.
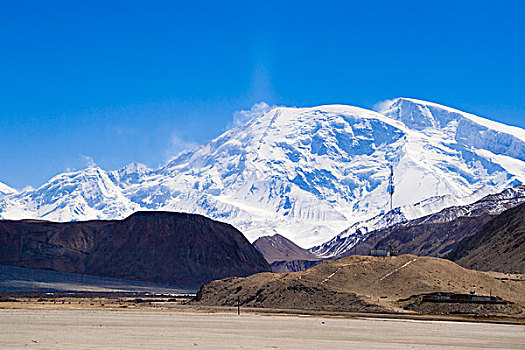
<point>435,239</point>
<point>277,247</point>
<point>498,246</point>
<point>433,235</point>
<point>284,255</point>
<point>304,173</point>
<point>174,249</point>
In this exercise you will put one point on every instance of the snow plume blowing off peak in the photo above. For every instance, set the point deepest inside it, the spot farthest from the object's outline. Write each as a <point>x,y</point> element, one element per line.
<point>257,110</point>
<point>304,173</point>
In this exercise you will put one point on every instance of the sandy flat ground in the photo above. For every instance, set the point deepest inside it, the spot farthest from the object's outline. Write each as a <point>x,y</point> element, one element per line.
<point>152,329</point>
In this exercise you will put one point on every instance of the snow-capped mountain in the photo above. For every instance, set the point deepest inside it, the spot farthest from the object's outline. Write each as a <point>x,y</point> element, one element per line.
<point>304,173</point>
<point>80,195</point>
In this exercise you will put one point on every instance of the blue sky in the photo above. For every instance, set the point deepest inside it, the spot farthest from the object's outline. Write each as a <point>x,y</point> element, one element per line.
<point>138,81</point>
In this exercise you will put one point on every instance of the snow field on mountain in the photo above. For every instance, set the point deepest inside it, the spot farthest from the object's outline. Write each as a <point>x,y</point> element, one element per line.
<point>305,173</point>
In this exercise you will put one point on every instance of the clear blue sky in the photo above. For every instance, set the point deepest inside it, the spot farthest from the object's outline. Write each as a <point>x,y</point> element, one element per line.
<point>138,81</point>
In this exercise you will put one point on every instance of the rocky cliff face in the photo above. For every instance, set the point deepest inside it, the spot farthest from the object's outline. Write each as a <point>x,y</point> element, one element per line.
<point>170,248</point>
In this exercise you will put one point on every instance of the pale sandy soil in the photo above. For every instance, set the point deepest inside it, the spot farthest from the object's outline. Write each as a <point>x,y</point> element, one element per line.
<point>162,329</point>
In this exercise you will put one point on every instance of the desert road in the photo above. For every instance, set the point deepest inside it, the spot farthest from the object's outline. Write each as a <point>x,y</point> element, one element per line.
<point>151,329</point>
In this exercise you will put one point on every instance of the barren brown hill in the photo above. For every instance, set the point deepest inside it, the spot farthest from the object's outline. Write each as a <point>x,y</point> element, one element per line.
<point>176,249</point>
<point>498,246</point>
<point>279,248</point>
<point>364,283</point>
<point>283,255</point>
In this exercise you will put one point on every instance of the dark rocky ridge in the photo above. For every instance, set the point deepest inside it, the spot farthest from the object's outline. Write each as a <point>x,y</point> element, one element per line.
<point>486,242</point>
<point>498,246</point>
<point>174,249</point>
<point>438,234</point>
<point>424,239</point>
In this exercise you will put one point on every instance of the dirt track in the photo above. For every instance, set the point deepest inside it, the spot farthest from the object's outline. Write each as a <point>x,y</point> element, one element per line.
<point>152,329</point>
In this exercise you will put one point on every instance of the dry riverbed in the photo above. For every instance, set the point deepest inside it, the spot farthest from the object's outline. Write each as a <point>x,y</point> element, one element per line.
<point>143,328</point>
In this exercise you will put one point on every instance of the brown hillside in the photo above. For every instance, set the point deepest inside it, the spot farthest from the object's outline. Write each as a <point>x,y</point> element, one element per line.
<point>280,248</point>
<point>361,283</point>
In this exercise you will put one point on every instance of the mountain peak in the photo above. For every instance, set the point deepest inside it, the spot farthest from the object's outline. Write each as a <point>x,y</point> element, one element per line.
<point>415,114</point>
<point>279,248</point>
<point>6,190</point>
<point>134,167</point>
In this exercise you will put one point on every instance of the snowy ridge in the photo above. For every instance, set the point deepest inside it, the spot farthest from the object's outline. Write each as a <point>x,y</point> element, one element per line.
<point>80,195</point>
<point>388,108</point>
<point>304,173</point>
<point>6,190</point>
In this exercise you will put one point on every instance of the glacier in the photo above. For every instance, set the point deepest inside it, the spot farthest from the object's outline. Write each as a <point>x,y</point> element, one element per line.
<point>304,173</point>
